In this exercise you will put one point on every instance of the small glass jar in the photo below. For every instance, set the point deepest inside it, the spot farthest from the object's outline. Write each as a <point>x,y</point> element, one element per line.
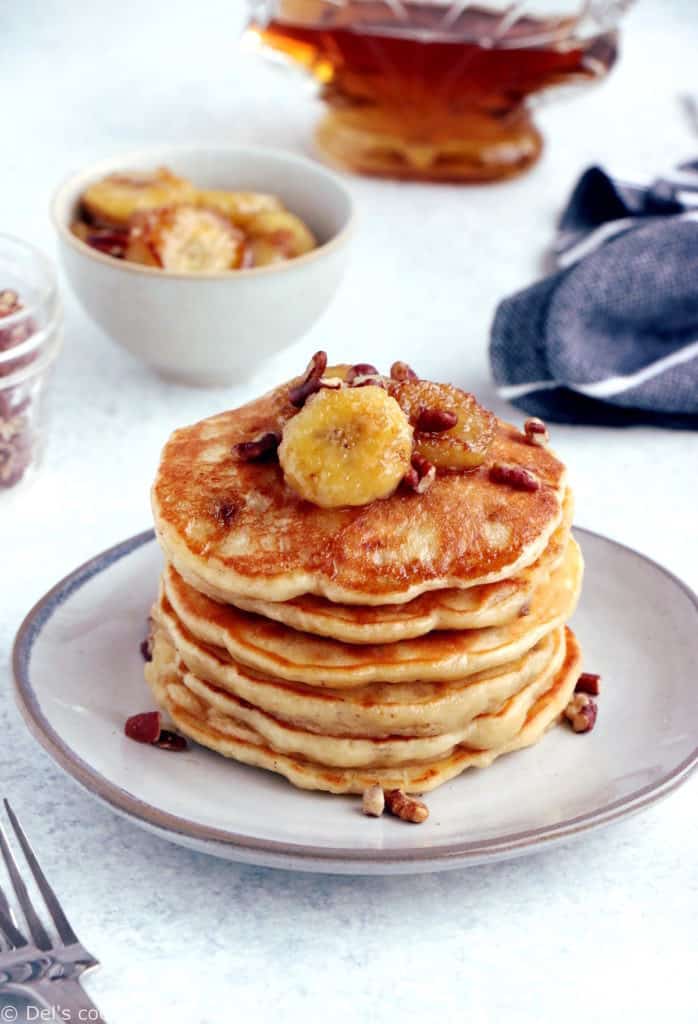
<point>31,332</point>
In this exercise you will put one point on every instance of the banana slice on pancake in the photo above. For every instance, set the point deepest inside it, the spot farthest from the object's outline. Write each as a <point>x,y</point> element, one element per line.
<point>349,446</point>
<point>451,428</point>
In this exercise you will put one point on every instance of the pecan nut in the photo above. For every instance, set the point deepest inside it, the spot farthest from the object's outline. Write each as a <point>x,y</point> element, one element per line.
<point>536,432</point>
<point>360,370</point>
<point>581,712</point>
<point>402,371</point>
<point>260,448</point>
<point>409,808</point>
<point>373,801</point>
<point>589,682</point>
<point>299,393</point>
<point>435,421</point>
<point>9,302</point>
<point>516,477</point>
<point>374,379</point>
<point>168,740</point>
<point>144,727</point>
<point>421,474</point>
<point>109,241</point>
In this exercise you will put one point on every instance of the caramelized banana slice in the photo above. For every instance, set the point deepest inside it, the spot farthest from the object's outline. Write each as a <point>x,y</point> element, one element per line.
<point>451,429</point>
<point>116,198</point>
<point>346,447</point>
<point>185,239</point>
<point>278,236</point>
<point>240,207</point>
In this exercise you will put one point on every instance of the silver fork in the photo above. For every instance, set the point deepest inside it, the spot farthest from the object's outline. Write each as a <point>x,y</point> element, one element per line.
<point>35,965</point>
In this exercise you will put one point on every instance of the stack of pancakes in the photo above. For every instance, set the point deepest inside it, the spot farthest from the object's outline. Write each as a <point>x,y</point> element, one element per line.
<point>396,643</point>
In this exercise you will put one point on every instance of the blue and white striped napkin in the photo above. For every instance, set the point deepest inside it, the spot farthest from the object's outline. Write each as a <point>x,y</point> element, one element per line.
<point>612,335</point>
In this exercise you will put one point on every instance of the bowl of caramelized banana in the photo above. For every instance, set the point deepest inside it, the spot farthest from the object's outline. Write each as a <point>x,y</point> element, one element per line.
<point>202,262</point>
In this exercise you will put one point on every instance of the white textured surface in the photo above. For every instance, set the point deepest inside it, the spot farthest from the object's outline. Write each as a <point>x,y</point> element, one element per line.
<point>582,933</point>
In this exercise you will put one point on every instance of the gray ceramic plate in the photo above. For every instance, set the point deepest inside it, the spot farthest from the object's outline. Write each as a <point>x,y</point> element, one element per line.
<point>79,675</point>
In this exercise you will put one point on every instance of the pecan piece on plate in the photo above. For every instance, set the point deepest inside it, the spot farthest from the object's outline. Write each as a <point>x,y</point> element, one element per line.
<point>373,801</point>
<point>581,712</point>
<point>589,682</point>
<point>409,808</point>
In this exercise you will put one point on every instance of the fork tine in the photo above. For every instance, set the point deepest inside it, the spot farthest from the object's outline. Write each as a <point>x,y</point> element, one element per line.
<point>61,922</point>
<point>36,929</point>
<point>7,926</point>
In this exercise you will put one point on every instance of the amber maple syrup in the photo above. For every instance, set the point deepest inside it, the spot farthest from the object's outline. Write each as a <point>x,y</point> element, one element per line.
<point>430,91</point>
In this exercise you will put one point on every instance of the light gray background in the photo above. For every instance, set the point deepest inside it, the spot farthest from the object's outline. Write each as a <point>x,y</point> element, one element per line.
<point>584,933</point>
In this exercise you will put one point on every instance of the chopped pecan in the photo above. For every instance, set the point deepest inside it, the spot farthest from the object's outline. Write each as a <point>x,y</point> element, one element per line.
<point>589,682</point>
<point>10,337</point>
<point>581,712</point>
<point>514,476</point>
<point>536,432</point>
<point>143,728</point>
<point>299,393</point>
<point>146,728</point>
<point>9,302</point>
<point>146,649</point>
<point>260,448</point>
<point>15,456</point>
<point>374,379</point>
<point>373,801</point>
<point>435,421</point>
<point>168,740</point>
<point>402,371</point>
<point>406,807</point>
<point>360,370</point>
<point>17,429</point>
<point>109,241</point>
<point>411,479</point>
<point>421,474</point>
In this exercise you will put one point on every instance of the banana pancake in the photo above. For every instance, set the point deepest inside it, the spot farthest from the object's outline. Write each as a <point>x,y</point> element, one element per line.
<point>225,712</point>
<point>244,744</point>
<point>284,653</point>
<point>237,528</point>
<point>377,710</point>
<point>490,604</point>
<point>367,581</point>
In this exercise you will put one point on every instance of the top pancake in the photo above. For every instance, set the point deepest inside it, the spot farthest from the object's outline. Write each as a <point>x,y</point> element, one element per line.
<point>236,528</point>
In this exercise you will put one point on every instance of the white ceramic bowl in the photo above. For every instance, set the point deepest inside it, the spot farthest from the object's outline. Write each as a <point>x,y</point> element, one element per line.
<point>212,329</point>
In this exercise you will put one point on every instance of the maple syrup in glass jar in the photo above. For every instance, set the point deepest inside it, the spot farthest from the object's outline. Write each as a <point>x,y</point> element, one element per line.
<point>436,91</point>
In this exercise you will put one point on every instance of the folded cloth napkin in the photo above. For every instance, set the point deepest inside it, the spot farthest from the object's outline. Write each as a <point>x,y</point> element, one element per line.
<point>611,337</point>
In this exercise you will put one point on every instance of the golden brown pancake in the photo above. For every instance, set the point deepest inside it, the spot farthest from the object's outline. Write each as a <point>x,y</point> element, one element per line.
<point>283,653</point>
<point>485,731</point>
<point>236,528</point>
<point>243,743</point>
<point>379,709</point>
<point>490,604</point>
